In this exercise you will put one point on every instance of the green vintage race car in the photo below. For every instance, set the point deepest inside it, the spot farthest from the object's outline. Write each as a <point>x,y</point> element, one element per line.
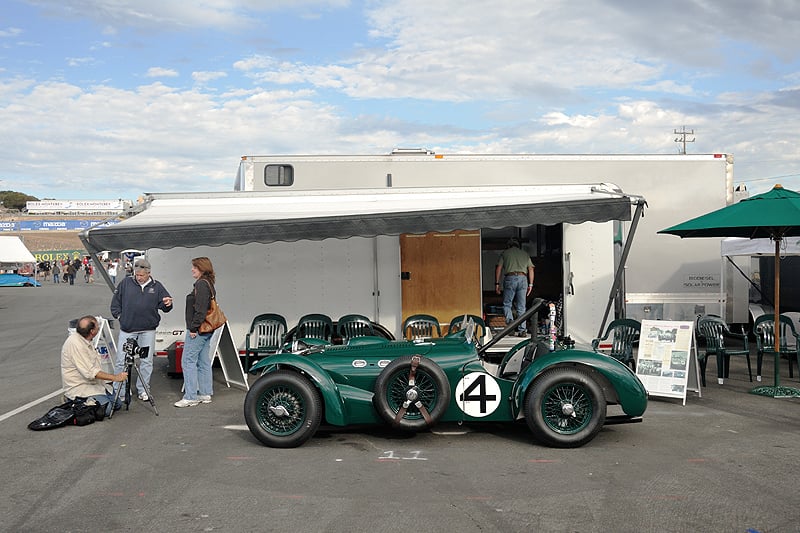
<point>562,395</point>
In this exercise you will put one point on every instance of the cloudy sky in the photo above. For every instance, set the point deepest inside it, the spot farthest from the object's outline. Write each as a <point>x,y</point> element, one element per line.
<point>103,99</point>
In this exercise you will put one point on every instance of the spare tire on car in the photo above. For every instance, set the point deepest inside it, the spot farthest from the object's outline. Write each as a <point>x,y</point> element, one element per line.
<point>411,393</point>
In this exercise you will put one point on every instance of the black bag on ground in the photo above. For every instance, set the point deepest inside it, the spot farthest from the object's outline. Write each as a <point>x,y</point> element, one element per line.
<point>87,413</point>
<point>55,418</point>
<point>75,412</point>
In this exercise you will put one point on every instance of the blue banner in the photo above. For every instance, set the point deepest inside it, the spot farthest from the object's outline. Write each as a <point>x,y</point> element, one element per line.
<point>53,225</point>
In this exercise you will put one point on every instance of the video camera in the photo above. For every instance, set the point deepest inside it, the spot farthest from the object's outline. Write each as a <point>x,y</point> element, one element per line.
<point>131,349</point>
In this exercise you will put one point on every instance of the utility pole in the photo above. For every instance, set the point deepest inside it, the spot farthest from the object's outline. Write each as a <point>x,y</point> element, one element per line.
<point>682,137</point>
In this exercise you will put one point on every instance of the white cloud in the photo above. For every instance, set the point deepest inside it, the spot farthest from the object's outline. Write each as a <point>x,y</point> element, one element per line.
<point>205,77</point>
<point>79,142</point>
<point>79,61</point>
<point>10,32</point>
<point>668,86</point>
<point>160,72</point>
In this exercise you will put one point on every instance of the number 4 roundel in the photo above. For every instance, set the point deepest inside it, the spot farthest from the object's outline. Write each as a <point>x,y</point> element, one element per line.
<point>478,394</point>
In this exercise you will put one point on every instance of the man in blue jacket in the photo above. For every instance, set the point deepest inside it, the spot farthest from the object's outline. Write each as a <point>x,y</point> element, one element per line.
<point>135,304</point>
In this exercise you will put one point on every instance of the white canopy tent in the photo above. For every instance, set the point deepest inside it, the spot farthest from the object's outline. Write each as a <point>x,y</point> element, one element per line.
<point>13,256</point>
<point>732,247</point>
<point>13,253</point>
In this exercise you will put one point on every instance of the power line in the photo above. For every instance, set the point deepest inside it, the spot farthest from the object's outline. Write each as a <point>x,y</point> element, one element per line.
<point>785,176</point>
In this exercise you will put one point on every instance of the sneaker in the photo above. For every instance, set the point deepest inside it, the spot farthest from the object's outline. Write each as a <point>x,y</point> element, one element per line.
<point>144,397</point>
<point>204,398</point>
<point>522,334</point>
<point>183,402</point>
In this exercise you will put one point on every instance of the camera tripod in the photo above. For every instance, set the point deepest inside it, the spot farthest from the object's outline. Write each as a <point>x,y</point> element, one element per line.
<point>130,368</point>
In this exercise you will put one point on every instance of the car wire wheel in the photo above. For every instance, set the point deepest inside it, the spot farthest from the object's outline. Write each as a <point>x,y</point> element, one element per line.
<point>281,400</point>
<point>565,407</point>
<point>283,409</point>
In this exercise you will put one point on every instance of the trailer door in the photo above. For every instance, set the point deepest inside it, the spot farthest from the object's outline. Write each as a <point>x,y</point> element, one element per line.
<point>441,274</point>
<point>588,255</point>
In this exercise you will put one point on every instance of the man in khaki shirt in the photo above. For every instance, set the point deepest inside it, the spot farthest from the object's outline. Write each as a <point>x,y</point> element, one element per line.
<point>81,373</point>
<point>517,283</point>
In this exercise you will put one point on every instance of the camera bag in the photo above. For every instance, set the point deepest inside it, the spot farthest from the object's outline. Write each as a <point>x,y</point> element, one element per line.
<point>77,412</point>
<point>55,418</point>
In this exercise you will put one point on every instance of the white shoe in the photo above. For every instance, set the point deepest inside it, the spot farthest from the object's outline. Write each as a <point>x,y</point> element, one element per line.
<point>144,397</point>
<point>204,398</point>
<point>183,402</point>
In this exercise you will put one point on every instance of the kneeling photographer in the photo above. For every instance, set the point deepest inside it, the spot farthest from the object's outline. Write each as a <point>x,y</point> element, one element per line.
<point>136,303</point>
<point>81,374</point>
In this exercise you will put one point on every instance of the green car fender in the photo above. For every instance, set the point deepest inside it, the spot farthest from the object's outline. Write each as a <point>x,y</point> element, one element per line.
<point>630,393</point>
<point>334,404</point>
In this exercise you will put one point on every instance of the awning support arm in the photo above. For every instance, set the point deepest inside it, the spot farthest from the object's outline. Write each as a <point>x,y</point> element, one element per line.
<point>640,205</point>
<point>97,262</point>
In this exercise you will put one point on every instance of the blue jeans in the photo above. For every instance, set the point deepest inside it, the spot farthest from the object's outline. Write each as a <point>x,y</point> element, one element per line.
<point>515,289</point>
<point>107,399</point>
<point>196,363</point>
<point>144,338</point>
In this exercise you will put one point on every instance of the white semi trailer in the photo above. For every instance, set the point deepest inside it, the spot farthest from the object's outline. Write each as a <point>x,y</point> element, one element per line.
<point>289,239</point>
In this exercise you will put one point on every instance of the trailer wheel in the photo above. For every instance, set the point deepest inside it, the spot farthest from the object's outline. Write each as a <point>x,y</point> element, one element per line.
<point>411,393</point>
<point>283,409</point>
<point>565,408</point>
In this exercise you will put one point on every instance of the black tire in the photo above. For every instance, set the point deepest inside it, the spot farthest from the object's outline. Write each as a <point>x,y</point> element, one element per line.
<point>565,408</point>
<point>392,389</point>
<point>283,409</point>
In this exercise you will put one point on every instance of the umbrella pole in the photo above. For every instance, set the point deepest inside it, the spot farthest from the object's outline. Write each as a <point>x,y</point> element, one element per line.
<point>777,317</point>
<point>777,391</point>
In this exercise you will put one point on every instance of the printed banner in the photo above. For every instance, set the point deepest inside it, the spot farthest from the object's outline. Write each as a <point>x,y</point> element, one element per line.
<point>58,255</point>
<point>74,205</point>
<point>54,225</point>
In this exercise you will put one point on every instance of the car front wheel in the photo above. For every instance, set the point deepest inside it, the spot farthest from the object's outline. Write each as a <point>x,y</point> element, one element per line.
<point>565,408</point>
<point>283,409</point>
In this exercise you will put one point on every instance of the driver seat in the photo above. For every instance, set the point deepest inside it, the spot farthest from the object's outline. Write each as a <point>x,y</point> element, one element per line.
<point>518,358</point>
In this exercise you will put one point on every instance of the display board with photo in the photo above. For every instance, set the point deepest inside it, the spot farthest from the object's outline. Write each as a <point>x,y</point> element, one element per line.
<point>665,362</point>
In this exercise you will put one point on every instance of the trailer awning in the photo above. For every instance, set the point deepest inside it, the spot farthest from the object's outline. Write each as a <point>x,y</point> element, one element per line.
<point>213,219</point>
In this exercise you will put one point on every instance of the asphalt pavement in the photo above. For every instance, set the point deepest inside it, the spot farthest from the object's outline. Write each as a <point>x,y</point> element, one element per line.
<point>727,461</point>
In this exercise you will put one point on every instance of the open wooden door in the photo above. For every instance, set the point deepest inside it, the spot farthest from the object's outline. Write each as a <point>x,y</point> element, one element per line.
<point>441,274</point>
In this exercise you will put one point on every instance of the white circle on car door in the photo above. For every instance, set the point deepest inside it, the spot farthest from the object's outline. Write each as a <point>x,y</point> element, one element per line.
<point>478,394</point>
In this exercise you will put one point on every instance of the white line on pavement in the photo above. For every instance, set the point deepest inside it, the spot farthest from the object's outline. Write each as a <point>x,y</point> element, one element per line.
<point>30,404</point>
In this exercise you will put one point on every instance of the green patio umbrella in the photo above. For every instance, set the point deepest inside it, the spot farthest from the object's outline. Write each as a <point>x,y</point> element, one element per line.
<point>774,214</point>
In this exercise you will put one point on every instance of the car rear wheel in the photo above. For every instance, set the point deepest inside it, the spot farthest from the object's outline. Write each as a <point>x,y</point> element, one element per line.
<point>565,408</point>
<point>411,393</point>
<point>283,409</point>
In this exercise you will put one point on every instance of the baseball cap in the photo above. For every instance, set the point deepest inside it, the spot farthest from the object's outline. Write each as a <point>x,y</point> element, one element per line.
<point>142,264</point>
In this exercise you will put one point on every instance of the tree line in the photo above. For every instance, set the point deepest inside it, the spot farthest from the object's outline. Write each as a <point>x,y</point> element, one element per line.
<point>15,200</point>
